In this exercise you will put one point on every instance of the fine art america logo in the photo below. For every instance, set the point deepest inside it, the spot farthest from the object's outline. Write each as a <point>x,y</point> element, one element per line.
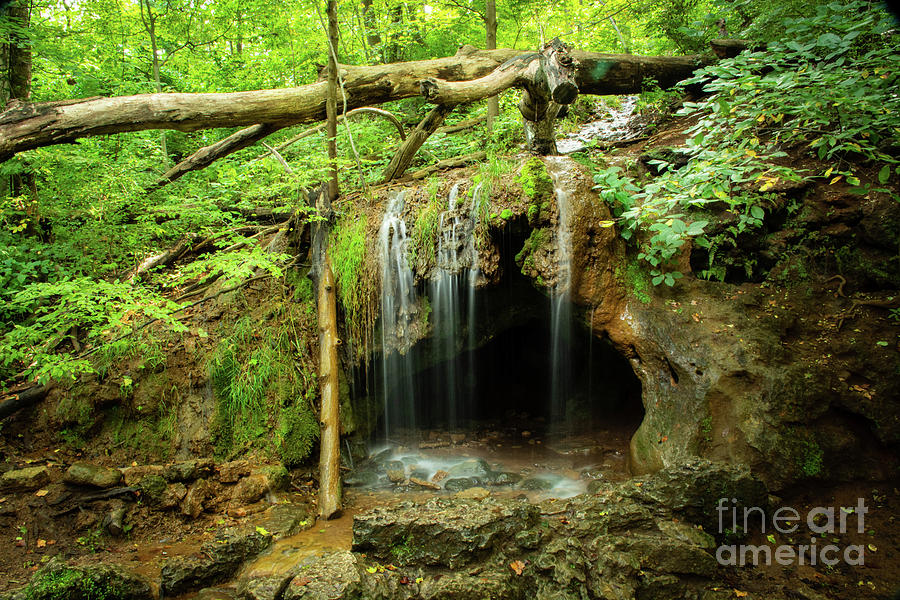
<point>821,521</point>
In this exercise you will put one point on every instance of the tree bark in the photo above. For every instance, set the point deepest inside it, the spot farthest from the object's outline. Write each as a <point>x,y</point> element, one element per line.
<point>330,418</point>
<point>407,151</point>
<point>28,126</point>
<point>205,156</point>
<point>490,43</point>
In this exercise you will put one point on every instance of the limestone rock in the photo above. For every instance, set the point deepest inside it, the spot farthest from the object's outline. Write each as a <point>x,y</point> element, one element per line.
<point>440,531</point>
<point>286,519</point>
<point>29,478</point>
<point>250,489</point>
<point>219,560</point>
<point>231,472</point>
<point>153,488</point>
<point>474,467</point>
<point>97,476</point>
<point>475,493</point>
<point>188,470</point>
<point>173,495</point>
<point>132,476</point>
<point>193,503</point>
<point>100,580</point>
<point>327,577</point>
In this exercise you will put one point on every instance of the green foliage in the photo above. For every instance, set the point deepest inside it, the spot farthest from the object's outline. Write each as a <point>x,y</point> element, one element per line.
<point>827,84</point>
<point>829,88</point>
<point>635,279</point>
<point>47,315</point>
<point>233,267</point>
<point>423,237</point>
<point>298,431</point>
<point>264,381</point>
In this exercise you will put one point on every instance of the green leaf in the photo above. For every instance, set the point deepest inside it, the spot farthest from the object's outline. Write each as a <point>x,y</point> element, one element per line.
<point>757,212</point>
<point>884,174</point>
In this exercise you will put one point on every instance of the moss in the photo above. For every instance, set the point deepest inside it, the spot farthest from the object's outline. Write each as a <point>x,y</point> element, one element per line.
<point>811,458</point>
<point>66,583</point>
<point>635,279</point>
<point>535,180</point>
<point>354,275</point>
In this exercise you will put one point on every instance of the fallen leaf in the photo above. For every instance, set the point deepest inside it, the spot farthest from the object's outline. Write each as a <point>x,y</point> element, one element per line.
<point>51,542</point>
<point>371,570</point>
<point>518,566</point>
<point>404,580</point>
<point>41,543</point>
<point>300,581</point>
<point>740,594</point>
<point>41,493</point>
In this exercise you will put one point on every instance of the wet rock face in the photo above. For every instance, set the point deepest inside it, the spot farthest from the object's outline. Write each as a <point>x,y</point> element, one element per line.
<point>441,532</point>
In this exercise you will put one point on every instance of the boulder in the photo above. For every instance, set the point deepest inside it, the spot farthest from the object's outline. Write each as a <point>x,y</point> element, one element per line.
<point>153,488</point>
<point>86,474</point>
<point>441,531</point>
<point>188,470</point>
<point>286,519</point>
<point>474,467</point>
<point>458,484</point>
<point>132,476</point>
<point>29,478</point>
<point>250,489</point>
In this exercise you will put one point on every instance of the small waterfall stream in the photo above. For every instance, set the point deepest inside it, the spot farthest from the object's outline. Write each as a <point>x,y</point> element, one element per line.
<point>456,265</point>
<point>398,299</point>
<point>560,295</point>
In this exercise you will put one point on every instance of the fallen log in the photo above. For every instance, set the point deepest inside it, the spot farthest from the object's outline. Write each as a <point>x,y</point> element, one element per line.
<point>25,126</point>
<point>407,151</point>
<point>18,400</point>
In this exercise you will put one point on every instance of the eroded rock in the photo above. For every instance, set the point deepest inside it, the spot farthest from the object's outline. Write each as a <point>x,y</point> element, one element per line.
<point>219,560</point>
<point>441,531</point>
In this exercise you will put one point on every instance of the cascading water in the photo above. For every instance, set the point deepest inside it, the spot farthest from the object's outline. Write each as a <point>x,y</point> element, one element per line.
<point>456,264</point>
<point>398,300</point>
<point>560,295</point>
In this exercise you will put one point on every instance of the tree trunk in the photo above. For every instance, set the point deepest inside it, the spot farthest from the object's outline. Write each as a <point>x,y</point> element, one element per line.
<point>490,43</point>
<point>407,151</point>
<point>150,27</point>
<point>331,99</point>
<point>28,126</point>
<point>330,419</point>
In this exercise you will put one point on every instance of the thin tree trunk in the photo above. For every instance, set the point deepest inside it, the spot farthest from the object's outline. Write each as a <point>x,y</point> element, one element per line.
<point>407,151</point>
<point>330,421</point>
<point>493,108</point>
<point>150,26</point>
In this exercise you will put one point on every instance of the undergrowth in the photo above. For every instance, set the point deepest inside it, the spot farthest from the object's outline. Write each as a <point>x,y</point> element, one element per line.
<point>264,379</point>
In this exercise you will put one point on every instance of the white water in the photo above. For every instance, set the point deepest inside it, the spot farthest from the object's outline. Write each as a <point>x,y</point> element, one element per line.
<point>560,295</point>
<point>398,299</point>
<point>615,126</point>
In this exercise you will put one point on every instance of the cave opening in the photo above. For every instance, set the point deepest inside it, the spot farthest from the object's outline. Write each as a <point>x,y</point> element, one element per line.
<point>496,372</point>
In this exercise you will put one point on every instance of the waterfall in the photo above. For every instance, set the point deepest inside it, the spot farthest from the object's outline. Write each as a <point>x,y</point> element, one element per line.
<point>456,266</point>
<point>398,299</point>
<point>560,295</point>
<point>445,304</point>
